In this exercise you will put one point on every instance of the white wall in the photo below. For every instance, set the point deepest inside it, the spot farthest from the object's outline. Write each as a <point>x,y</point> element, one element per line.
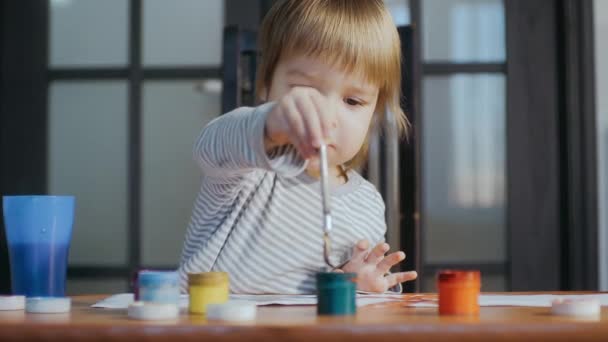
<point>601,67</point>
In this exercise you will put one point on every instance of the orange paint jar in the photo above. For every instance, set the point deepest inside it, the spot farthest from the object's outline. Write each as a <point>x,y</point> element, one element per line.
<point>458,292</point>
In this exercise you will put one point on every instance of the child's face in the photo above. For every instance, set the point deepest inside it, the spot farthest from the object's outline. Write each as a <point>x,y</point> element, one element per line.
<point>353,99</point>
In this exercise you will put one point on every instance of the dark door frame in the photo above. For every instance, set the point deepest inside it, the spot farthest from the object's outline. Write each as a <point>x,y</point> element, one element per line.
<point>23,129</point>
<point>551,147</point>
<point>578,125</point>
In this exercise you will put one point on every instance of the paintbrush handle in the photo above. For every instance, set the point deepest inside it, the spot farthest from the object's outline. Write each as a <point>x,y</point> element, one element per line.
<point>325,188</point>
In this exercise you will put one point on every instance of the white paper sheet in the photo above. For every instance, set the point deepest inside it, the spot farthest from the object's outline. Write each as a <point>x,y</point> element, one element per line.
<point>122,301</point>
<point>541,300</point>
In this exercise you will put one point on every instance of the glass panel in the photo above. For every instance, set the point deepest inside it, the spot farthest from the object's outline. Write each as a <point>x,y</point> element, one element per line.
<point>489,283</point>
<point>96,286</point>
<point>174,114</point>
<point>88,32</point>
<point>182,32</point>
<point>463,30</point>
<point>88,158</point>
<point>464,168</point>
<point>601,66</point>
<point>400,10</point>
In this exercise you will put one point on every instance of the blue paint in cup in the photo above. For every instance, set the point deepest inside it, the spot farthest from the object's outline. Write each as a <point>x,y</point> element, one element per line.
<point>38,232</point>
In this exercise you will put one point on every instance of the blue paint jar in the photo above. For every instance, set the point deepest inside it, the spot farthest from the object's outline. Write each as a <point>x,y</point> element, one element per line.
<point>336,293</point>
<point>158,287</point>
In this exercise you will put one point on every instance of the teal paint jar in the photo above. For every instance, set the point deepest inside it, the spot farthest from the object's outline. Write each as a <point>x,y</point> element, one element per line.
<point>336,293</point>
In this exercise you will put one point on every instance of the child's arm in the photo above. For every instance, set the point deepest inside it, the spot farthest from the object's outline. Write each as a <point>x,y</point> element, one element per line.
<point>277,136</point>
<point>233,144</point>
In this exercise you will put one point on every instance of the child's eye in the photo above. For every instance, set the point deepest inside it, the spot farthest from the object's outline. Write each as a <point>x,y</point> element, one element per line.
<point>353,102</point>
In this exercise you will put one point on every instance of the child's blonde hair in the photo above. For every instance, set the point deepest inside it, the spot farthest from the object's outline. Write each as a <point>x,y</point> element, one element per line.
<point>357,35</point>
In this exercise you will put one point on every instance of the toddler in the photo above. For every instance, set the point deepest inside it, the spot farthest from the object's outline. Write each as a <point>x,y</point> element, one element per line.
<point>329,70</point>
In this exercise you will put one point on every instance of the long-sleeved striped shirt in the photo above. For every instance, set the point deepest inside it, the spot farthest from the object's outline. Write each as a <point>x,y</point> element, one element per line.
<point>258,215</point>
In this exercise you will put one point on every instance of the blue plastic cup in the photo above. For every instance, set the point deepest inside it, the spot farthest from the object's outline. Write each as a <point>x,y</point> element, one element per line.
<point>38,232</point>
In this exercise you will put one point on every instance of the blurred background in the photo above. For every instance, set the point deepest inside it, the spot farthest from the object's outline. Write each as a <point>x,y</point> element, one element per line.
<point>505,171</point>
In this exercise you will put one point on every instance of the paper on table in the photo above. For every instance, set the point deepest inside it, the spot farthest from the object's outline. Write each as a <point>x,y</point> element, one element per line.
<point>541,300</point>
<point>362,299</point>
<point>535,300</point>
<point>122,301</point>
<point>117,301</point>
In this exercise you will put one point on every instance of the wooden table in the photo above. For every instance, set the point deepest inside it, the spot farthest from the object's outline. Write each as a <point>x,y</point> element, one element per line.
<point>379,322</point>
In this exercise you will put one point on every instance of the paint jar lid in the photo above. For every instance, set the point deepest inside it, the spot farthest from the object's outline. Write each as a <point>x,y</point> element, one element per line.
<point>459,277</point>
<point>10,303</point>
<point>233,311</point>
<point>48,304</point>
<point>208,278</point>
<point>585,307</point>
<point>153,311</point>
<point>157,278</point>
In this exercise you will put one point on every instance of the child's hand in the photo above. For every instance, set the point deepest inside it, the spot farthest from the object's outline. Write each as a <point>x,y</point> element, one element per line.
<point>372,267</point>
<point>304,118</point>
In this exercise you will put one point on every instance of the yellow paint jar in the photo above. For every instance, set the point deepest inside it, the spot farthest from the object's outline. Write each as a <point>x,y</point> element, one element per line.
<point>207,288</point>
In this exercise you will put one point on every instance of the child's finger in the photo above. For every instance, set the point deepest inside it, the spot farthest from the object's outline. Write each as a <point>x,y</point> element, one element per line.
<point>400,277</point>
<point>389,261</point>
<point>326,115</point>
<point>377,253</point>
<point>310,117</point>
<point>296,126</point>
<point>360,251</point>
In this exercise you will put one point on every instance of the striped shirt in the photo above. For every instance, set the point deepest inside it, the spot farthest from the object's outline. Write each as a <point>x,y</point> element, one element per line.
<point>258,215</point>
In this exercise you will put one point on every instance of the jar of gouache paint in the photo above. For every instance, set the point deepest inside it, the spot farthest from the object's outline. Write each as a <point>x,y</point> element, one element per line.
<point>458,292</point>
<point>207,288</point>
<point>158,287</point>
<point>336,293</point>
